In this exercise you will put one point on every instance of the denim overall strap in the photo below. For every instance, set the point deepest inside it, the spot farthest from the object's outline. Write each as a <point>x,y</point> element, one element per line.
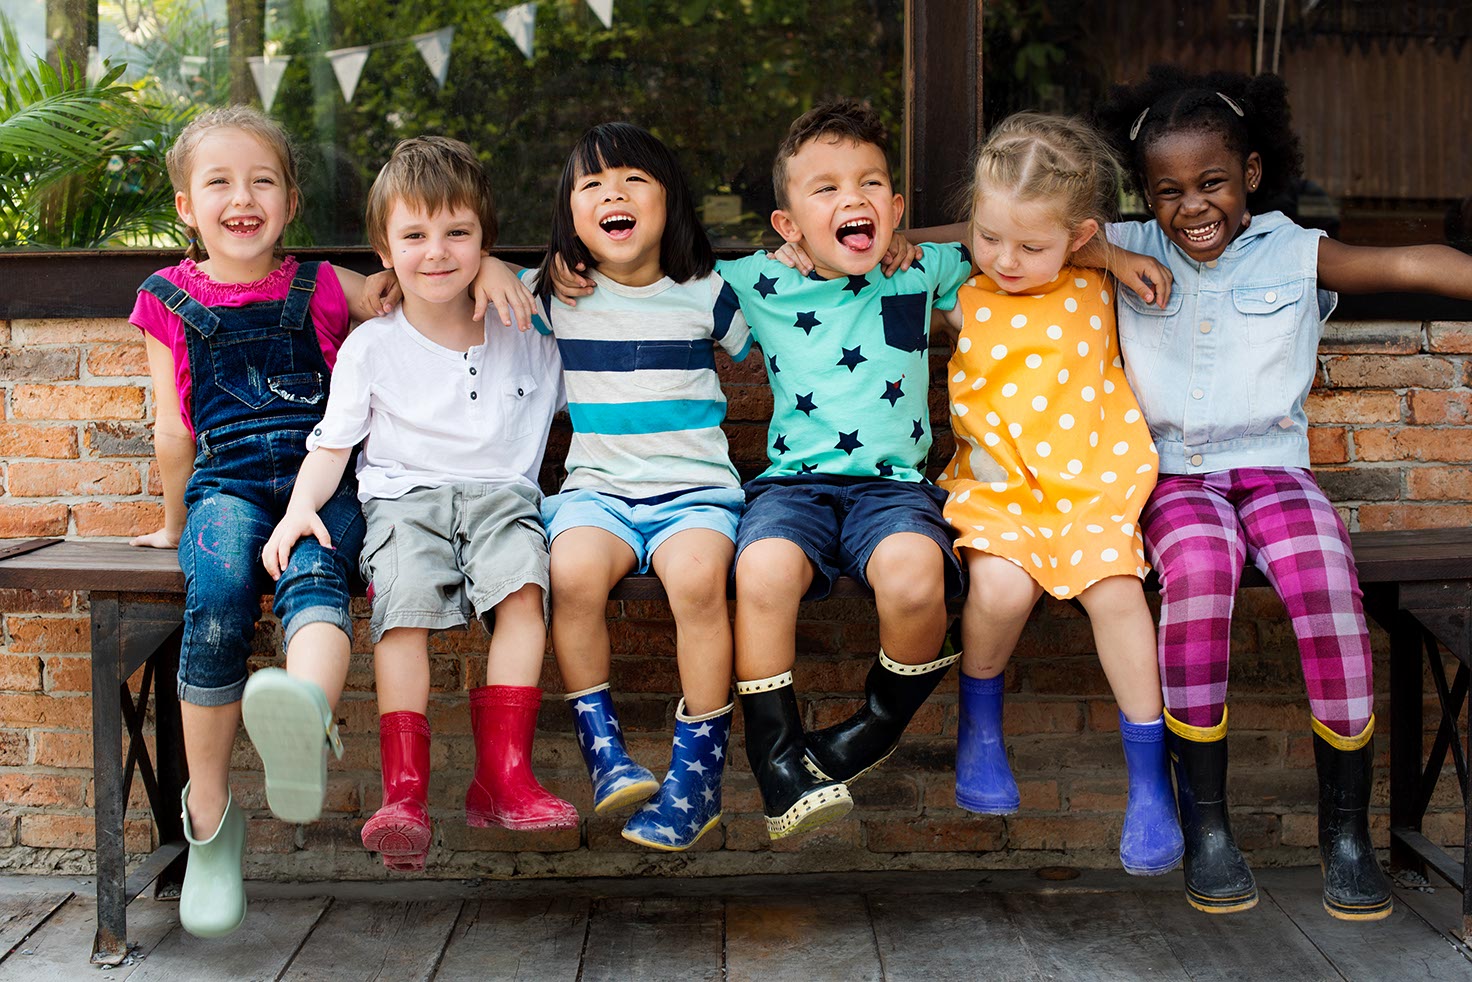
<point>298,300</point>
<point>179,302</point>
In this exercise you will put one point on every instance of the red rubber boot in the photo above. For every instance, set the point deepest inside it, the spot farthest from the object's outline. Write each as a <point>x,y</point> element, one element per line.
<point>504,791</point>
<point>400,831</point>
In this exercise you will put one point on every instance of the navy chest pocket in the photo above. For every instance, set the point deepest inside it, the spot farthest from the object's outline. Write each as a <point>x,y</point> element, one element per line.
<point>252,357</point>
<point>904,321</point>
<point>669,359</point>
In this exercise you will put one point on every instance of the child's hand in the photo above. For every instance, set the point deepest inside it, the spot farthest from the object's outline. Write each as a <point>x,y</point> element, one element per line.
<point>161,539</point>
<point>381,292</point>
<point>499,285</point>
<point>294,525</point>
<point>1149,278</point>
<point>794,256</point>
<point>568,285</point>
<point>902,252</point>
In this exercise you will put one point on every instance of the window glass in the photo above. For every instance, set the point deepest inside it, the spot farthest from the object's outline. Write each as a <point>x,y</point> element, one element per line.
<point>718,80</point>
<point>1381,92</point>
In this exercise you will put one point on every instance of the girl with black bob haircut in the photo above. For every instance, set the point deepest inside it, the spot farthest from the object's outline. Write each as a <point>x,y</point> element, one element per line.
<point>1222,373</point>
<point>685,250</point>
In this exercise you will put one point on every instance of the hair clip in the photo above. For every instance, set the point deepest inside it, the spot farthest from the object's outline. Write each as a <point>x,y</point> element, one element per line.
<point>1139,121</point>
<point>1228,100</point>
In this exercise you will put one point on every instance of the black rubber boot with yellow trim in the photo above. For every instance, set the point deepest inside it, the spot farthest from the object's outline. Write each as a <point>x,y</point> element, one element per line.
<point>1355,888</point>
<point>893,692</point>
<point>793,800</point>
<point>1218,879</point>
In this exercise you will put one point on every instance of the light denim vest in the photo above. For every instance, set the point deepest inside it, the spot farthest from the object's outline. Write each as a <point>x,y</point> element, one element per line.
<point>1223,371</point>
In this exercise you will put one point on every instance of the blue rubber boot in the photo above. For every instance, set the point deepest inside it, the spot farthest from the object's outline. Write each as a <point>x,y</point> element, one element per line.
<point>688,804</point>
<point>984,782</point>
<point>1151,842</point>
<point>618,782</point>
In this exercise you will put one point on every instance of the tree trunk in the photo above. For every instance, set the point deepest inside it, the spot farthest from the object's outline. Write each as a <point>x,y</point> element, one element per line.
<point>71,25</point>
<point>247,30</point>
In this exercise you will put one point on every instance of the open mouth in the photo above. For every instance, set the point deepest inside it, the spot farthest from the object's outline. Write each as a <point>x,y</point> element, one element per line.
<point>1202,234</point>
<point>856,234</point>
<point>243,226</point>
<point>619,225</point>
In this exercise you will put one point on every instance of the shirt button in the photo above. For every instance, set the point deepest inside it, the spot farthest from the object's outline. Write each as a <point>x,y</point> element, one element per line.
<point>472,369</point>
<point>520,393</point>
<point>1195,460</point>
<point>1271,296</point>
<point>473,395</point>
<point>1197,393</point>
<point>317,431</point>
<point>1206,327</point>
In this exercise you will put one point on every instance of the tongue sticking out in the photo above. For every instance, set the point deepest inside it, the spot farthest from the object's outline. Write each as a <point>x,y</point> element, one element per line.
<point>857,238</point>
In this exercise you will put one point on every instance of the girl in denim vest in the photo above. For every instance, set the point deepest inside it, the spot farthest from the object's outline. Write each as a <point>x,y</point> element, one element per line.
<point>1222,372</point>
<point>240,344</point>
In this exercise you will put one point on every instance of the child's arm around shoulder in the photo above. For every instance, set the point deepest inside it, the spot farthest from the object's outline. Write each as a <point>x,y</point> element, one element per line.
<point>1419,269</point>
<point>172,444</point>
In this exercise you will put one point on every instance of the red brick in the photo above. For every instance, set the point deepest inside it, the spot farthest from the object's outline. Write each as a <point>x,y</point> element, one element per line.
<point>1449,337</point>
<point>155,483</point>
<point>69,674</point>
<point>20,673</point>
<point>118,517</point>
<point>1379,517</point>
<point>119,439</point>
<point>12,748</point>
<point>42,790</point>
<point>1372,337</point>
<point>1413,444</point>
<point>76,832</point>
<point>48,634</point>
<point>62,748</point>
<point>29,440</point>
<point>1042,716</point>
<point>1354,407</point>
<point>82,477</point>
<point>1439,483</point>
<point>977,834</point>
<point>1061,832</point>
<point>35,601</point>
<point>27,364</point>
<point>21,521</point>
<point>1328,444</point>
<point>118,359</point>
<point>1391,372</point>
<point>77,402</point>
<point>458,836</point>
<point>71,330</point>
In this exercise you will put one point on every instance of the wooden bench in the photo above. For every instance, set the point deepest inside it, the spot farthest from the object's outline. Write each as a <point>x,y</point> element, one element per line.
<point>1417,584</point>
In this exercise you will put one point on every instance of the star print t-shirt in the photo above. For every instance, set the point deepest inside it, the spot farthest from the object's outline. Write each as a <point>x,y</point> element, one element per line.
<point>848,361</point>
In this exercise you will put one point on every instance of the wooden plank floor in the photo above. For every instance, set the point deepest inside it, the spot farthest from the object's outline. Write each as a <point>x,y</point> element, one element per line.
<point>878,926</point>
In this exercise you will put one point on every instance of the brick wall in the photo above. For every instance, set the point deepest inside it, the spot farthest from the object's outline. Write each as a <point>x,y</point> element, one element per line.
<point>1392,442</point>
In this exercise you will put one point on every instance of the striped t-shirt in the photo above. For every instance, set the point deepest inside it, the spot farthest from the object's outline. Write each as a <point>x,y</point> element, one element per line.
<point>639,364</point>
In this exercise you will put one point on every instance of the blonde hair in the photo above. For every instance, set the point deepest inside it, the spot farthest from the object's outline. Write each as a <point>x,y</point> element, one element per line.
<point>1058,159</point>
<point>432,172</point>
<point>180,158</point>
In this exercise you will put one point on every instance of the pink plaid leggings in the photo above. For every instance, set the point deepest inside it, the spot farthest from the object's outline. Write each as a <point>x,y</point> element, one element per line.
<point>1198,531</point>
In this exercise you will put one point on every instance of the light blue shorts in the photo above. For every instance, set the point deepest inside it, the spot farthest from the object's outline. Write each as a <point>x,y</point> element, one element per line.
<point>645,525</point>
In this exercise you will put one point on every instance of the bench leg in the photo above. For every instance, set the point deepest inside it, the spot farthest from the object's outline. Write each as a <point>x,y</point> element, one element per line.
<point>169,762</point>
<point>110,945</point>
<point>1406,738</point>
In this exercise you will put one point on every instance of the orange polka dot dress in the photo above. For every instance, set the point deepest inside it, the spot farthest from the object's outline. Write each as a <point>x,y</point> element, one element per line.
<point>1053,459</point>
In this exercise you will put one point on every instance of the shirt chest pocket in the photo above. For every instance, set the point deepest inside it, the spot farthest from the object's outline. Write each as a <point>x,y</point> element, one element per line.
<point>660,366</point>
<point>1268,314</point>
<point>521,411</point>
<point>1145,326</point>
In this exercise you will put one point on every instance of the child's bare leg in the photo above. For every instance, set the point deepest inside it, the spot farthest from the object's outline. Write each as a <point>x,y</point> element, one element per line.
<point>694,566</point>
<point>586,563</point>
<point>319,653</point>
<point>907,573</point>
<point>1124,635</point>
<point>771,577</point>
<point>401,670</point>
<point>1000,598</point>
<point>209,735</point>
<point>519,642</point>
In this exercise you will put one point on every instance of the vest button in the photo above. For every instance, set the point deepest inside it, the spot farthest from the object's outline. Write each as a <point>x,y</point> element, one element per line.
<point>1271,296</point>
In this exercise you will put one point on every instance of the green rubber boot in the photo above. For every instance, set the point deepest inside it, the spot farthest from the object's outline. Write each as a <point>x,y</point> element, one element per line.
<point>212,900</point>
<point>291,725</point>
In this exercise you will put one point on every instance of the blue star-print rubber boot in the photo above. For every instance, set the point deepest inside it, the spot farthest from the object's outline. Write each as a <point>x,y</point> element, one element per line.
<point>688,804</point>
<point>618,782</point>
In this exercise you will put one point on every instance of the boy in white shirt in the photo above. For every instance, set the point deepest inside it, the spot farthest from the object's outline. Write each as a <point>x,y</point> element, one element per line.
<point>453,416</point>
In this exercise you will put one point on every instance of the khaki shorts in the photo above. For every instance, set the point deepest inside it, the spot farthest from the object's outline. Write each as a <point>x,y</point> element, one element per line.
<point>434,556</point>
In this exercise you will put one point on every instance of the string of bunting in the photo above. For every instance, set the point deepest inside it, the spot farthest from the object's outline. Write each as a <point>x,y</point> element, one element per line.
<point>519,23</point>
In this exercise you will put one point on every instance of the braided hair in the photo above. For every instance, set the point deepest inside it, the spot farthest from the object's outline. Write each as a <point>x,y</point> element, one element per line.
<point>1250,113</point>
<point>1038,157</point>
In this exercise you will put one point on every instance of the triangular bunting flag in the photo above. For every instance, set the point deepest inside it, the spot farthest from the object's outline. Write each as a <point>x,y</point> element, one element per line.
<point>434,48</point>
<point>604,10</point>
<point>191,67</point>
<point>347,65</point>
<point>520,21</point>
<point>267,72</point>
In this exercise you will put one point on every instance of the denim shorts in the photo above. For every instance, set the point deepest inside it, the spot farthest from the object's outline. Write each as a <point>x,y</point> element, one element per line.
<point>645,526</point>
<point>435,556</point>
<point>237,494</point>
<point>839,521</point>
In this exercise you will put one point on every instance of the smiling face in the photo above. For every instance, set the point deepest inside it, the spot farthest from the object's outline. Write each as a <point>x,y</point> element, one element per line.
<point>841,207</point>
<point>435,256</point>
<point>1021,245</point>
<point>1197,189</point>
<point>240,203</point>
<point>618,213</point>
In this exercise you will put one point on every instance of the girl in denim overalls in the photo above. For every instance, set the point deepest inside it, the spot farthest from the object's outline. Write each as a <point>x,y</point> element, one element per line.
<point>240,347</point>
<point>1222,373</point>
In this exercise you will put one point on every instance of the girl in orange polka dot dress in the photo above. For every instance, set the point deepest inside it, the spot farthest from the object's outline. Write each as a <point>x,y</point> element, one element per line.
<point>1053,462</point>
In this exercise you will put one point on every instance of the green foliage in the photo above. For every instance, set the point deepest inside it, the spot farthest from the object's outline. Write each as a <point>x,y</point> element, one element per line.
<point>81,163</point>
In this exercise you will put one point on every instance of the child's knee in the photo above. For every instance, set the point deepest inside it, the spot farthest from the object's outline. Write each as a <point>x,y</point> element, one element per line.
<point>767,569</point>
<point>1001,590</point>
<point>908,569</point>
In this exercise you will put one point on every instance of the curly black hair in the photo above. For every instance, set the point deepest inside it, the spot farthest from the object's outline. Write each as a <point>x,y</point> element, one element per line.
<point>1179,100</point>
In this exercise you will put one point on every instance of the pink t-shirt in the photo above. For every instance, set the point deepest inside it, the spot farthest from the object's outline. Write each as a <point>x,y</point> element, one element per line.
<point>328,307</point>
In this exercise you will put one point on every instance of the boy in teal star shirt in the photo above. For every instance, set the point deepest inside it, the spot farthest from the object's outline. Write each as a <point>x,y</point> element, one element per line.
<point>847,356</point>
